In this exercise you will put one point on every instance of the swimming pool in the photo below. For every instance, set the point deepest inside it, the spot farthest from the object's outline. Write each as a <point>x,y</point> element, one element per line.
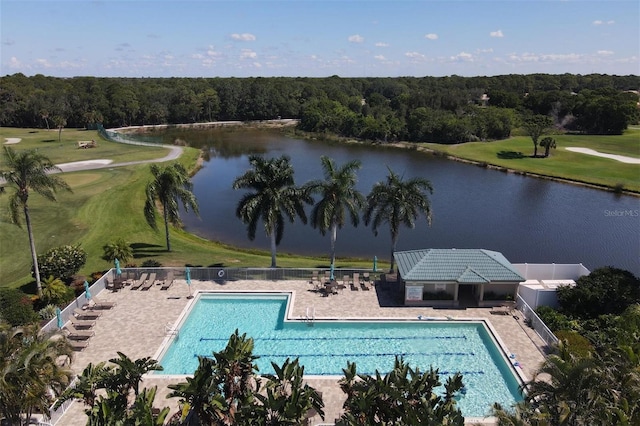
<point>324,347</point>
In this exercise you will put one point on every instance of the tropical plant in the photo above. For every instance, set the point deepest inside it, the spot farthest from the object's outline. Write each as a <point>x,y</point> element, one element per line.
<point>572,389</point>
<point>273,197</point>
<point>222,386</point>
<point>572,393</point>
<point>55,292</point>
<point>62,262</point>
<point>548,143</point>
<point>169,185</point>
<point>59,122</point>
<point>30,171</point>
<point>536,126</point>
<point>118,249</point>
<point>339,197</point>
<point>33,367</point>
<point>48,312</point>
<point>404,396</point>
<point>397,202</point>
<point>286,399</point>
<point>105,390</point>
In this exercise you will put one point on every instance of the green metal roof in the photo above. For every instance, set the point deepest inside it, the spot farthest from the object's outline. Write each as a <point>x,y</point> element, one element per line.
<point>459,265</point>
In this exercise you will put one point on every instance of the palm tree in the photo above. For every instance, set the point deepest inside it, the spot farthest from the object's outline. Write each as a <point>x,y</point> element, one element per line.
<point>339,197</point>
<point>273,198</point>
<point>30,171</point>
<point>397,202</point>
<point>548,143</point>
<point>169,185</point>
<point>33,365</point>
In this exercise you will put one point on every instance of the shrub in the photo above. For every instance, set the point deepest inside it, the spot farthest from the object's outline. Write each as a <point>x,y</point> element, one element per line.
<point>150,263</point>
<point>575,343</point>
<point>47,312</point>
<point>553,319</point>
<point>118,249</point>
<point>16,307</point>
<point>55,292</point>
<point>62,262</point>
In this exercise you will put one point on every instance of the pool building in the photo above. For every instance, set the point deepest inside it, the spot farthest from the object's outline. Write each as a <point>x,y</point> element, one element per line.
<point>447,277</point>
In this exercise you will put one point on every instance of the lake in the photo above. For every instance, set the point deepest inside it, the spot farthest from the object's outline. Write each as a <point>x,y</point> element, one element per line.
<point>527,219</point>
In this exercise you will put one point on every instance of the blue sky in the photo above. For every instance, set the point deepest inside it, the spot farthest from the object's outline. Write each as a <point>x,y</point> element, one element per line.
<point>169,38</point>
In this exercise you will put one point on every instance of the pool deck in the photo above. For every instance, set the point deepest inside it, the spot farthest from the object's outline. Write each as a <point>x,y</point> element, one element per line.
<point>136,327</point>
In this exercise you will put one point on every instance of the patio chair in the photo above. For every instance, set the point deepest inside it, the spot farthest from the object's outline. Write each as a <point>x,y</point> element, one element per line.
<point>355,283</point>
<point>95,303</point>
<point>75,334</point>
<point>78,345</point>
<point>136,285</point>
<point>149,282</point>
<point>168,281</point>
<point>78,323</point>
<point>315,280</point>
<point>364,284</point>
<point>86,314</point>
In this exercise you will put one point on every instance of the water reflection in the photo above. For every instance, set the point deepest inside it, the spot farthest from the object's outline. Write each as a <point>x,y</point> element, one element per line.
<point>529,220</point>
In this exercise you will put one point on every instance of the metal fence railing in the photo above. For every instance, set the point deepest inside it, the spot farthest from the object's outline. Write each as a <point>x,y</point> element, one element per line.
<point>130,138</point>
<point>536,323</point>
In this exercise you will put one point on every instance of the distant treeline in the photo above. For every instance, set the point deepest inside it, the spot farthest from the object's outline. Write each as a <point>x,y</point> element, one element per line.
<point>434,109</point>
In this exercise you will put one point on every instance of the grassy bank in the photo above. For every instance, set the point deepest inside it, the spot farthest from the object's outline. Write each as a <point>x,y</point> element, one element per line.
<point>515,154</point>
<point>107,204</point>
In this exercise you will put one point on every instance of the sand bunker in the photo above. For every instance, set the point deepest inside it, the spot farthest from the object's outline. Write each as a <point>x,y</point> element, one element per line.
<point>10,141</point>
<point>83,165</point>
<point>621,158</point>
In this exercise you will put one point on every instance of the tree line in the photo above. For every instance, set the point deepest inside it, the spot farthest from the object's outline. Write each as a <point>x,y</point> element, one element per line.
<point>429,109</point>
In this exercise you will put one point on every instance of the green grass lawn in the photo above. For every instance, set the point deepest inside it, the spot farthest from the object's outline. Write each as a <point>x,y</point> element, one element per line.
<point>107,204</point>
<point>515,153</point>
<point>66,149</point>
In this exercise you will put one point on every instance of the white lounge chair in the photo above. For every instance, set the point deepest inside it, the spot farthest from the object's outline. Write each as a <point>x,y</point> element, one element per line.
<point>75,334</point>
<point>149,282</point>
<point>168,281</point>
<point>86,314</point>
<point>136,285</point>
<point>78,345</point>
<point>78,323</point>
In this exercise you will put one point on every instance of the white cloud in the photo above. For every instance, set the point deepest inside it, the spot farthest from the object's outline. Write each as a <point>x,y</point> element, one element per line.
<point>414,55</point>
<point>462,57</point>
<point>14,62</point>
<point>605,52</point>
<point>212,53</point>
<point>43,63</point>
<point>496,34</point>
<point>257,64</point>
<point>431,36</point>
<point>248,54</point>
<point>197,56</point>
<point>600,22</point>
<point>380,58</point>
<point>356,38</point>
<point>168,57</point>
<point>489,50</point>
<point>381,44</point>
<point>546,57</point>
<point>243,37</point>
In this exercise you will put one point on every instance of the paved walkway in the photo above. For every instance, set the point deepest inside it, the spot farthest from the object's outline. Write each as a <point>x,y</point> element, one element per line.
<point>136,327</point>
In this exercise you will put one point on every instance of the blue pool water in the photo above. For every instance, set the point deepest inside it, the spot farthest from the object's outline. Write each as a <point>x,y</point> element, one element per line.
<point>324,347</point>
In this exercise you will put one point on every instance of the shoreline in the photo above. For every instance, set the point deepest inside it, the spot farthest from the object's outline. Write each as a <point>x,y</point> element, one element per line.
<point>285,123</point>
